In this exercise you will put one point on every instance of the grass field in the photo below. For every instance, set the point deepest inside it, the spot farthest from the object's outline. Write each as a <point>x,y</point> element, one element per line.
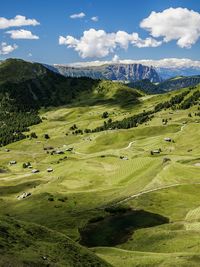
<point>93,176</point>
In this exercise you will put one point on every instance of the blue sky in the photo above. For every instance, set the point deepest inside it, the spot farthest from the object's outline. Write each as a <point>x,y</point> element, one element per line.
<point>121,36</point>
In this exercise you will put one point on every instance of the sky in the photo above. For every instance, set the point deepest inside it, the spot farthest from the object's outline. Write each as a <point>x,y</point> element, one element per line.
<point>68,31</point>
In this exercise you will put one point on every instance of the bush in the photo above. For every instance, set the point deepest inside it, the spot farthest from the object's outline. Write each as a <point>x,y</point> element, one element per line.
<point>46,136</point>
<point>33,135</point>
<point>105,115</point>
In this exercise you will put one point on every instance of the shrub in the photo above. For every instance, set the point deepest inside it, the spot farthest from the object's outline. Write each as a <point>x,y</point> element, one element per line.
<point>33,135</point>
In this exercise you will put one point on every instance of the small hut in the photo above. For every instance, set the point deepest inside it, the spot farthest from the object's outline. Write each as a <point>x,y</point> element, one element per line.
<point>35,171</point>
<point>13,162</point>
<point>167,139</point>
<point>49,169</point>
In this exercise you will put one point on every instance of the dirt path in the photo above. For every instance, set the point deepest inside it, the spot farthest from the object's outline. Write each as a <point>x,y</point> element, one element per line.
<point>150,191</point>
<point>182,127</point>
<point>129,145</point>
<point>124,148</point>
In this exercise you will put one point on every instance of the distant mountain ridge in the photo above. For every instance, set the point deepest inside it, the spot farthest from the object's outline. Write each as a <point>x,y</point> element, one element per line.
<point>114,72</point>
<point>167,73</point>
<point>167,85</point>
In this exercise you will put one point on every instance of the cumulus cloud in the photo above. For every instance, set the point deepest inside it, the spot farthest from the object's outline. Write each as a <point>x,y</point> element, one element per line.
<point>98,43</point>
<point>17,21</point>
<point>95,18</point>
<point>78,16</point>
<point>179,24</point>
<point>6,48</point>
<point>22,34</point>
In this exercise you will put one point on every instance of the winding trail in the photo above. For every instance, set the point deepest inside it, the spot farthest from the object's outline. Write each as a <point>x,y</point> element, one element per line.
<point>79,153</point>
<point>136,195</point>
<point>149,191</point>
<point>123,148</point>
<point>182,127</point>
<point>129,145</point>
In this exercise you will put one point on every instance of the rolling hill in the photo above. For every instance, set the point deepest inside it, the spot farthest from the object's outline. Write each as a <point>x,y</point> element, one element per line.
<point>31,85</point>
<point>27,244</point>
<point>26,87</point>
<point>167,85</point>
<point>115,172</point>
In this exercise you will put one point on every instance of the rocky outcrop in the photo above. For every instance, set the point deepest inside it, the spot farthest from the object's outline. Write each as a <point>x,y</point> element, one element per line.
<point>115,72</point>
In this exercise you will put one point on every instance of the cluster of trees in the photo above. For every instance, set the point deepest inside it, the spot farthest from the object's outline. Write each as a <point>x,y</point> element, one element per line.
<point>191,101</point>
<point>125,123</point>
<point>78,131</point>
<point>75,130</point>
<point>140,118</point>
<point>25,88</point>
<point>13,124</point>
<point>143,117</point>
<point>175,100</point>
<point>73,127</point>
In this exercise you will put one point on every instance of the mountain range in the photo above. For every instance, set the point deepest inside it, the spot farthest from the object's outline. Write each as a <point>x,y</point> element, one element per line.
<point>114,72</point>
<point>124,72</point>
<point>18,73</point>
<point>145,78</point>
<point>167,85</point>
<point>168,73</point>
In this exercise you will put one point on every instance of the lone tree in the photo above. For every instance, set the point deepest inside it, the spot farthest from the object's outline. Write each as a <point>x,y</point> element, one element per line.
<point>46,136</point>
<point>33,135</point>
<point>105,115</point>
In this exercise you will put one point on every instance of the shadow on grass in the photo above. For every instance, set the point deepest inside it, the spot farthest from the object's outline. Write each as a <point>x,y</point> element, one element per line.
<point>7,190</point>
<point>117,227</point>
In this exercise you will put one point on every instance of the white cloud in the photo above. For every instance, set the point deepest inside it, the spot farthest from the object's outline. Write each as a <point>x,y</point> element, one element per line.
<point>78,16</point>
<point>17,21</point>
<point>179,24</point>
<point>22,34</point>
<point>98,43</point>
<point>92,44</point>
<point>95,18</point>
<point>6,48</point>
<point>160,63</point>
<point>115,59</point>
<point>29,55</point>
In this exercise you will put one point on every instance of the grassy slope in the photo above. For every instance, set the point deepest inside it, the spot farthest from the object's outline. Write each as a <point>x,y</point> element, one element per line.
<point>85,181</point>
<point>31,85</point>
<point>27,244</point>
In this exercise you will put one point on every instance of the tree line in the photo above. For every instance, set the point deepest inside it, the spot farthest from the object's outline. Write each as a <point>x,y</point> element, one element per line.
<point>134,121</point>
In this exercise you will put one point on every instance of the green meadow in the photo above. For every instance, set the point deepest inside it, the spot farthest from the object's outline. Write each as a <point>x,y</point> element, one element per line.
<point>104,176</point>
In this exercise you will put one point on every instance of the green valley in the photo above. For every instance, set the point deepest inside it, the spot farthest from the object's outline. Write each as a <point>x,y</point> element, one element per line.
<point>104,175</point>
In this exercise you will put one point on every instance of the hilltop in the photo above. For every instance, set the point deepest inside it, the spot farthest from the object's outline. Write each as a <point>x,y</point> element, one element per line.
<point>35,86</point>
<point>26,87</point>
